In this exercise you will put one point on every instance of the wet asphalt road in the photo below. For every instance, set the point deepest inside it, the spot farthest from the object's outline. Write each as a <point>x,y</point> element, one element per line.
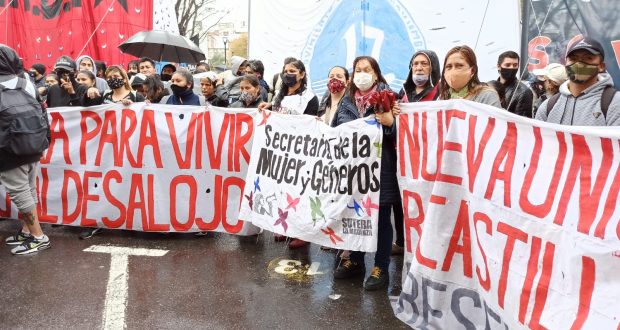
<point>219,281</point>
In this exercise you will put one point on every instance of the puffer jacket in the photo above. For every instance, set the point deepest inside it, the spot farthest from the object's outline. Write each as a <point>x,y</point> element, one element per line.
<point>585,109</point>
<point>519,98</point>
<point>431,90</point>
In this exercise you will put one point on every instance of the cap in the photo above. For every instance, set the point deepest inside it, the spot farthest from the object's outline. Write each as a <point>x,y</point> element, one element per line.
<point>556,72</point>
<point>66,63</point>
<point>588,44</point>
<point>137,79</point>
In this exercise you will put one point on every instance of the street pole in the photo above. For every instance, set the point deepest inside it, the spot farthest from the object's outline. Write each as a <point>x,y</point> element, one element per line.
<point>225,43</point>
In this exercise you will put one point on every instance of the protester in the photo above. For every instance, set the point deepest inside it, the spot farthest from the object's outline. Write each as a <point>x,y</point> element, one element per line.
<point>18,173</point>
<point>61,95</point>
<point>85,62</point>
<point>294,96</point>
<point>519,97</point>
<point>132,68</point>
<point>367,79</point>
<point>588,98</point>
<point>501,92</point>
<point>250,93</point>
<point>137,83</point>
<point>51,79</point>
<point>202,67</point>
<point>167,71</point>
<point>459,78</point>
<point>121,91</point>
<point>424,73</point>
<point>154,89</point>
<point>86,80</point>
<point>338,78</point>
<point>182,94</point>
<point>37,72</point>
<point>101,69</point>
<point>233,78</point>
<point>276,81</point>
<point>257,69</point>
<point>146,66</point>
<point>551,77</point>
<point>215,95</point>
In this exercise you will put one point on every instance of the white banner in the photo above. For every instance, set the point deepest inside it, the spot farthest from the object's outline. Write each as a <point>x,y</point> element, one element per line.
<point>509,222</point>
<point>146,167</point>
<point>313,182</point>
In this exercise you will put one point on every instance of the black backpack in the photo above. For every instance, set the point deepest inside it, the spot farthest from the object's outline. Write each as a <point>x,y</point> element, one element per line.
<point>24,125</point>
<point>606,98</point>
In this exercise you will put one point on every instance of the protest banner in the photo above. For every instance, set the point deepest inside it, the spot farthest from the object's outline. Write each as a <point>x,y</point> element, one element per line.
<point>509,222</point>
<point>145,167</point>
<point>314,182</point>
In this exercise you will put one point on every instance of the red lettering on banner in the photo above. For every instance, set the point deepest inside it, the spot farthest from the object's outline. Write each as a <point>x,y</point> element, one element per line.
<point>588,276</point>
<point>86,222</point>
<point>589,196</point>
<point>450,146</point>
<point>512,234</point>
<point>57,132</point>
<point>148,122</point>
<point>189,140</point>
<point>6,213</point>
<point>425,152</point>
<point>241,140</point>
<point>198,137</point>
<point>528,283</point>
<point>127,130</point>
<point>407,142</point>
<point>486,282</point>
<point>542,210</point>
<point>615,45</point>
<point>69,175</point>
<point>231,140</point>
<point>152,226</point>
<point>610,207</point>
<point>215,157</point>
<point>136,190</point>
<point>42,205</point>
<point>506,156</point>
<point>228,182</point>
<point>191,184</point>
<point>86,134</point>
<point>536,51</point>
<point>118,222</point>
<point>109,124</point>
<point>461,232</point>
<point>217,209</point>
<point>474,160</point>
<point>416,224</point>
<point>542,289</point>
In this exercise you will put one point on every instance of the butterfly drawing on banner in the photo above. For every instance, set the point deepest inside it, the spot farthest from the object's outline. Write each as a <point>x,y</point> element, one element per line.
<point>369,205</point>
<point>257,184</point>
<point>317,212</point>
<point>282,216</point>
<point>292,202</point>
<point>378,145</point>
<point>373,121</point>
<point>332,235</point>
<point>266,115</point>
<point>250,199</point>
<point>355,207</point>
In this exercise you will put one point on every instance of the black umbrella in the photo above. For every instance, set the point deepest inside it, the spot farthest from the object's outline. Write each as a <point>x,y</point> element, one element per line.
<point>162,46</point>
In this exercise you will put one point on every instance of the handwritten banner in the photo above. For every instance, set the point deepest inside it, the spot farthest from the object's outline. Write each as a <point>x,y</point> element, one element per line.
<point>509,222</point>
<point>314,182</point>
<point>146,167</point>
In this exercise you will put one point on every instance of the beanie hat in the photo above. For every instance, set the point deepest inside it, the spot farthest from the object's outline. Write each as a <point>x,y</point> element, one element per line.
<point>40,68</point>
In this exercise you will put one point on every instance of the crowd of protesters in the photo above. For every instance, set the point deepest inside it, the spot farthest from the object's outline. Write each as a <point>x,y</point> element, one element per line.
<point>580,92</point>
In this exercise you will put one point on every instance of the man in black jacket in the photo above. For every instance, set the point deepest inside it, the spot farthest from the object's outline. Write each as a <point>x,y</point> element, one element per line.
<point>519,98</point>
<point>18,173</point>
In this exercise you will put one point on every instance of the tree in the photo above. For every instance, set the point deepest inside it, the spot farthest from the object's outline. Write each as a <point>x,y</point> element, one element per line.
<point>239,46</point>
<point>191,14</point>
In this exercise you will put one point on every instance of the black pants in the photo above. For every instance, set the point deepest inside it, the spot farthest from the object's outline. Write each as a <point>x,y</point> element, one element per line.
<point>384,240</point>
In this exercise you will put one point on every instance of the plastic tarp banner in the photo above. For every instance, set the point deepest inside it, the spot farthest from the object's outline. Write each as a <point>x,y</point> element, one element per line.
<point>509,222</point>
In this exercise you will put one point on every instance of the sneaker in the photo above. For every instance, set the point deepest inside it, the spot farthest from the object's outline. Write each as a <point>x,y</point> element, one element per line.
<point>378,279</point>
<point>397,250</point>
<point>17,239</point>
<point>32,245</point>
<point>89,233</point>
<point>349,269</point>
<point>296,243</point>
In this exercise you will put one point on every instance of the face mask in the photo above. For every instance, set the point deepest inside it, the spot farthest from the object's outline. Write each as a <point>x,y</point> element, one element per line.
<point>363,81</point>
<point>457,79</point>
<point>178,90</point>
<point>289,79</point>
<point>166,77</point>
<point>335,86</point>
<point>420,79</point>
<point>246,97</point>
<point>508,74</point>
<point>115,83</point>
<point>580,72</point>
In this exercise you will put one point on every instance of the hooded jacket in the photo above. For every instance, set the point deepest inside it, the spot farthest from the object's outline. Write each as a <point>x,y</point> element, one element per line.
<point>585,109</point>
<point>10,67</point>
<point>101,84</point>
<point>232,81</point>
<point>519,98</point>
<point>430,92</point>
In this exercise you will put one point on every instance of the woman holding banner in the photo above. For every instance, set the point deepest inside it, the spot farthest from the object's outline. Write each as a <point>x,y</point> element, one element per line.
<point>367,84</point>
<point>121,91</point>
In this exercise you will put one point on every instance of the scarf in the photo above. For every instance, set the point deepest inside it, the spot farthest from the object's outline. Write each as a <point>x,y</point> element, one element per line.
<point>460,94</point>
<point>361,101</point>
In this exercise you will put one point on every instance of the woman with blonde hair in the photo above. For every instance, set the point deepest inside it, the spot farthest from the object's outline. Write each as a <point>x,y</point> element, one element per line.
<point>120,89</point>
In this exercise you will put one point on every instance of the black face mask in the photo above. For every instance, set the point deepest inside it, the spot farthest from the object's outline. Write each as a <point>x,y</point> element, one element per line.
<point>508,74</point>
<point>180,91</point>
<point>289,79</point>
<point>166,77</point>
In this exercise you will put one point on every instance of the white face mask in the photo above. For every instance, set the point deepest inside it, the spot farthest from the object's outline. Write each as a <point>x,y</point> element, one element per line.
<point>363,81</point>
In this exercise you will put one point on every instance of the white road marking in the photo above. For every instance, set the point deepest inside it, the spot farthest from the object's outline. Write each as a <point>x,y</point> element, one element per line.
<point>116,293</point>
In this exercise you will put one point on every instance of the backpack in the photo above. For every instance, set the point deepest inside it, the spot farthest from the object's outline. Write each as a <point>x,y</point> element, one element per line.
<point>606,98</point>
<point>24,126</point>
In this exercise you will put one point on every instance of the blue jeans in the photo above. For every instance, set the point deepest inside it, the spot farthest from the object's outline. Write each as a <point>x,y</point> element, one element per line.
<point>384,241</point>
